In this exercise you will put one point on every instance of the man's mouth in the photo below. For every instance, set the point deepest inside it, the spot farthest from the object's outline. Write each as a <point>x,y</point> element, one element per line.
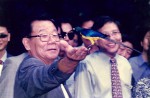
<point>51,49</point>
<point>111,45</point>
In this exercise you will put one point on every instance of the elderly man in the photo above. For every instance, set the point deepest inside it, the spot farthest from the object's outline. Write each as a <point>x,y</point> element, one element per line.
<point>41,73</point>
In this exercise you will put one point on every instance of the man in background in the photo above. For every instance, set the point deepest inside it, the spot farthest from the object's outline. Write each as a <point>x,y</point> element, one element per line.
<point>4,39</point>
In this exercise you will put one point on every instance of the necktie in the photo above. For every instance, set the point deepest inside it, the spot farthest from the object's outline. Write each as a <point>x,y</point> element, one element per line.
<point>1,62</point>
<point>115,79</point>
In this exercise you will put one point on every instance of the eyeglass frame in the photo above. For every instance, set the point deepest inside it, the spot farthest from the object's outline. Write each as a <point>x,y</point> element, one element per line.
<point>70,34</point>
<point>42,36</point>
<point>2,35</point>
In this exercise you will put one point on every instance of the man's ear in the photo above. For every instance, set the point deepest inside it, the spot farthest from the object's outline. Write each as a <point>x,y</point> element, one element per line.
<point>26,43</point>
<point>9,35</point>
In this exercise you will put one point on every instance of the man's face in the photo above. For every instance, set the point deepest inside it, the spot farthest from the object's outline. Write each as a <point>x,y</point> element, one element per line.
<point>113,33</point>
<point>4,41</point>
<point>88,24</point>
<point>146,42</point>
<point>66,28</point>
<point>47,50</point>
<point>124,51</point>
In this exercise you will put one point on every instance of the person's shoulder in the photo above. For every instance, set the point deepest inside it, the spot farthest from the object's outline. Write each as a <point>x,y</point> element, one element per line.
<point>95,57</point>
<point>122,60</point>
<point>21,56</point>
<point>120,57</point>
<point>135,59</point>
<point>31,61</point>
<point>15,59</point>
<point>90,57</point>
<point>12,63</point>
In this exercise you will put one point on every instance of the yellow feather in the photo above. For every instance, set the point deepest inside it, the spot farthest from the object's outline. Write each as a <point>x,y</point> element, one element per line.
<point>92,39</point>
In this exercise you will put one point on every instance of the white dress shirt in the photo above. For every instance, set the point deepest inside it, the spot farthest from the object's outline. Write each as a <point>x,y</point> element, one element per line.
<point>93,77</point>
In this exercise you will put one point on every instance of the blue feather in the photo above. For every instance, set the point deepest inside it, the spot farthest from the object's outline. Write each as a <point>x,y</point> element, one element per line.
<point>90,32</point>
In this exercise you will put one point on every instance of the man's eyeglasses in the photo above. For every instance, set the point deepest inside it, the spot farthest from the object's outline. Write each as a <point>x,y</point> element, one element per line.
<point>2,35</point>
<point>46,37</point>
<point>70,34</point>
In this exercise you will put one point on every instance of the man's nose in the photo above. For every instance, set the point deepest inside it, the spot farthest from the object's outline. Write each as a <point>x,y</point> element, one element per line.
<point>51,39</point>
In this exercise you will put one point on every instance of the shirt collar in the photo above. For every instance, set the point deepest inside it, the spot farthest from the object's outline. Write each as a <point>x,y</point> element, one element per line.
<point>106,57</point>
<point>4,57</point>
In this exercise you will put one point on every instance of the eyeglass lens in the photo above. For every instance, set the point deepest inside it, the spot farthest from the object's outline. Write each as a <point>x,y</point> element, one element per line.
<point>46,37</point>
<point>2,35</point>
<point>70,35</point>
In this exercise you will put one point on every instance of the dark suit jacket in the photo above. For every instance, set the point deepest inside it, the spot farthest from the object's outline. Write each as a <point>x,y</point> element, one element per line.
<point>9,55</point>
<point>37,80</point>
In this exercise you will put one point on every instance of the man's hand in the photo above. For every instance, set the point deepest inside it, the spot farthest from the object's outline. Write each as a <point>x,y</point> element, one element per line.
<point>73,56</point>
<point>74,53</point>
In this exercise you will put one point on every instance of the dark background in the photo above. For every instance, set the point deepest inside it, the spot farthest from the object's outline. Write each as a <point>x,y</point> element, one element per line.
<point>13,12</point>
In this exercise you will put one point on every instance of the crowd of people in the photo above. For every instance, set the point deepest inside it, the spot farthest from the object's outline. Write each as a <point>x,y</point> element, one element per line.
<point>60,63</point>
